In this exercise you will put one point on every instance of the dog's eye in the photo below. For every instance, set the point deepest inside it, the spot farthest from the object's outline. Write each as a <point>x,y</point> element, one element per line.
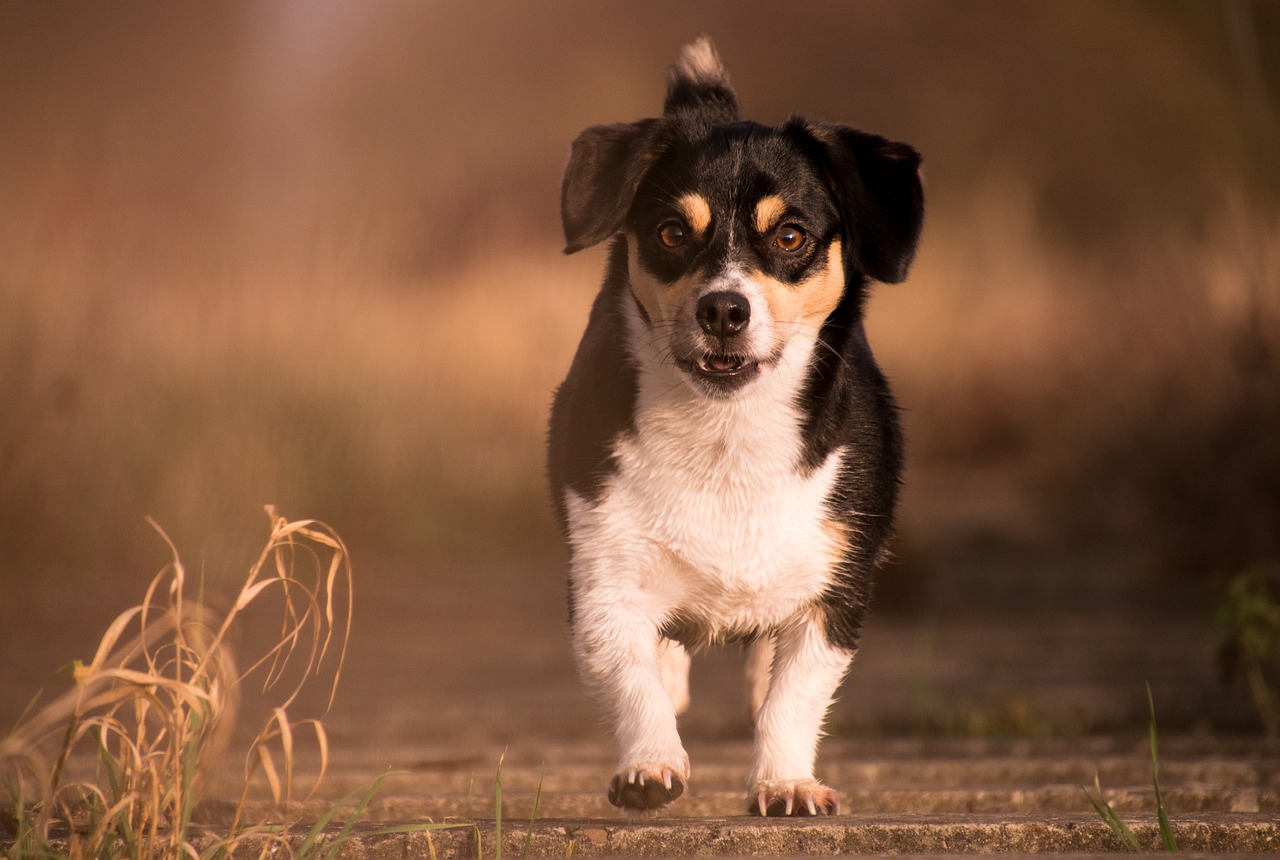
<point>671,234</point>
<point>789,238</point>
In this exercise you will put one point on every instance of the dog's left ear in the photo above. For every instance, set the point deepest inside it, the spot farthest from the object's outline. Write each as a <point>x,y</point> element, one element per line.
<point>606,165</point>
<point>877,184</point>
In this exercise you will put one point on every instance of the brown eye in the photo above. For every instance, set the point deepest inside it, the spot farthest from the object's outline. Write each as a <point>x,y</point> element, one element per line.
<point>789,238</point>
<point>671,234</point>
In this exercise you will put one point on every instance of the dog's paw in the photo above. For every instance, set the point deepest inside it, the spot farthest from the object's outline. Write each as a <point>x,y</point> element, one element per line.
<point>793,797</point>
<point>644,789</point>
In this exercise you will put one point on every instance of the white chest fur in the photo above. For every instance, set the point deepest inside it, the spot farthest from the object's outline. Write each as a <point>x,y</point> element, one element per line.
<point>708,514</point>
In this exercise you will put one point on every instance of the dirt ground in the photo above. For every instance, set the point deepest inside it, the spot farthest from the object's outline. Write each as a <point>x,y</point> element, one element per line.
<point>475,660</point>
<point>973,730</point>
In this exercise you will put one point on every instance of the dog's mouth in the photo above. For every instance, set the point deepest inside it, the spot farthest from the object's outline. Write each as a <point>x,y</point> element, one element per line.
<point>713,364</point>
<point>722,371</point>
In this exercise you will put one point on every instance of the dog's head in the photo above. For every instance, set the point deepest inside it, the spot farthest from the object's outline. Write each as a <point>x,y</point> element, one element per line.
<point>739,235</point>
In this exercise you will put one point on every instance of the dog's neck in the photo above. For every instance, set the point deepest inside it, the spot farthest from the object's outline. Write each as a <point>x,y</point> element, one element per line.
<point>762,418</point>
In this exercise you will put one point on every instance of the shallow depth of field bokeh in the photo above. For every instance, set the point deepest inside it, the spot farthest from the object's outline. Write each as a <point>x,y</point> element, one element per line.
<point>308,254</point>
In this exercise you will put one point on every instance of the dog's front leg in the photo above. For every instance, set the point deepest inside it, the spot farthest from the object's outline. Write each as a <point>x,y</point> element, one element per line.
<point>616,636</point>
<point>806,671</point>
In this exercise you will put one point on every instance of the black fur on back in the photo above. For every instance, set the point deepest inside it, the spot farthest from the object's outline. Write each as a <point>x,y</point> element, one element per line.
<point>596,402</point>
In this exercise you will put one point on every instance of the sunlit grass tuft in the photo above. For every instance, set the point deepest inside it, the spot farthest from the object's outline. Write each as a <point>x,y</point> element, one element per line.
<point>1113,820</point>
<point>114,766</point>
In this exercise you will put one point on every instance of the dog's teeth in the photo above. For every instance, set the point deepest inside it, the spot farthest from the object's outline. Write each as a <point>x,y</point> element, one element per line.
<point>631,777</point>
<point>640,781</point>
<point>666,779</point>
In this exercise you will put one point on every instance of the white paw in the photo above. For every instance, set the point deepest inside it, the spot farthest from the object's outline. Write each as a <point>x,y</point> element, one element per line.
<point>793,797</point>
<point>645,787</point>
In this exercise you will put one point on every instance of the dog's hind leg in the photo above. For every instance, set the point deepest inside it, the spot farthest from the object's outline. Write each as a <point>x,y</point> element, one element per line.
<point>674,661</point>
<point>806,671</point>
<point>758,667</point>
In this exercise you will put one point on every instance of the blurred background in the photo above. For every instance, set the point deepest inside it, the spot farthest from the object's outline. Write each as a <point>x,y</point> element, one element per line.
<point>308,253</point>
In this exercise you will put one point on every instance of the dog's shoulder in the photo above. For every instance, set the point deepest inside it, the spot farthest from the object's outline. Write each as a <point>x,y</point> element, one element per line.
<point>596,402</point>
<point>845,398</point>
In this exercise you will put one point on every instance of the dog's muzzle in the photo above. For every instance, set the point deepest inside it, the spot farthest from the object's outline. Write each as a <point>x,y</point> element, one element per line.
<point>723,314</point>
<point>722,360</point>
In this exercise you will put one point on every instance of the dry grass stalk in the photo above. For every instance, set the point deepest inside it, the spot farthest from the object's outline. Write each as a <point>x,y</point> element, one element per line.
<point>117,760</point>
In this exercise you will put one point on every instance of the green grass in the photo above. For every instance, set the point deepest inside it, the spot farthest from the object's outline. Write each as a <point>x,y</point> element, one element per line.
<point>1248,619</point>
<point>477,833</point>
<point>1113,819</point>
<point>497,810</point>
<point>533,817</point>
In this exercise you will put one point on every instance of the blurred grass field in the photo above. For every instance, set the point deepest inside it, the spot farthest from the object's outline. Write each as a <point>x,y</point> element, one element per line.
<point>308,254</point>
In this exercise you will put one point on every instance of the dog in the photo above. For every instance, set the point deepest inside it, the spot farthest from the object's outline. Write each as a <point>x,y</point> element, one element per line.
<point>724,453</point>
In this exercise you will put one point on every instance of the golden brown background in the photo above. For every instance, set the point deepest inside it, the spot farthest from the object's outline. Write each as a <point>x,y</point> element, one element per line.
<point>308,253</point>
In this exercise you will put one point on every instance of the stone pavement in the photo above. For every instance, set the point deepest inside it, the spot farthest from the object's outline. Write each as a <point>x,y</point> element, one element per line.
<point>965,733</point>
<point>904,796</point>
<point>961,732</point>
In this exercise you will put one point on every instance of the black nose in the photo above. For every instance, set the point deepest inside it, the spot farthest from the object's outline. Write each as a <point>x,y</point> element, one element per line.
<point>722,314</point>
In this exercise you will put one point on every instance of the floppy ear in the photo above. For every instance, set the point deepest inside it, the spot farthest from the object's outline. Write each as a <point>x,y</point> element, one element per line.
<point>877,184</point>
<point>606,165</point>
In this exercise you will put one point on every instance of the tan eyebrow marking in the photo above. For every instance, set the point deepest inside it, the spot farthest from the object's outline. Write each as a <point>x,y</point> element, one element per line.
<point>769,212</point>
<point>696,211</point>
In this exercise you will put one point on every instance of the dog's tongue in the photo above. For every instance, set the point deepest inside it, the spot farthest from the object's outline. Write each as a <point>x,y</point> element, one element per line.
<point>720,363</point>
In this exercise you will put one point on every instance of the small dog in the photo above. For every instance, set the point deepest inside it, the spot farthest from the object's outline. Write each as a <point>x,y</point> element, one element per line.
<point>724,452</point>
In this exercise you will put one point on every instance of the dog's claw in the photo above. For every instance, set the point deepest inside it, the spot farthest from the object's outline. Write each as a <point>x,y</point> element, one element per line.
<point>644,790</point>
<point>794,797</point>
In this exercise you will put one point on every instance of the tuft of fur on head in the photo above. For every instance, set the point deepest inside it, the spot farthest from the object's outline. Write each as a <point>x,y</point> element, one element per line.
<point>698,83</point>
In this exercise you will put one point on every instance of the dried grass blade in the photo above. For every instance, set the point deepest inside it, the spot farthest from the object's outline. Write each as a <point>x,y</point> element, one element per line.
<point>320,535</point>
<point>250,593</point>
<point>268,763</point>
<point>497,809</point>
<point>185,690</point>
<point>341,562</point>
<point>322,744</point>
<point>108,643</point>
<point>153,704</point>
<point>281,719</point>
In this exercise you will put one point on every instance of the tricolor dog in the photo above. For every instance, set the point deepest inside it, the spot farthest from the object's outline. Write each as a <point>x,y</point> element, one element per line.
<point>724,452</point>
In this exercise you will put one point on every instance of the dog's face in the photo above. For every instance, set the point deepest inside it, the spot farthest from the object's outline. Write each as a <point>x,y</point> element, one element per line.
<point>733,245</point>
<point>739,236</point>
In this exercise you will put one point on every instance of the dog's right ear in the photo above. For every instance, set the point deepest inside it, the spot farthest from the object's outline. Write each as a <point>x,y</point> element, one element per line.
<point>606,165</point>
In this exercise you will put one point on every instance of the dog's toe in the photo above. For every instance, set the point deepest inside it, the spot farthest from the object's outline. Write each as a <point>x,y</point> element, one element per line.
<point>802,797</point>
<point>643,791</point>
